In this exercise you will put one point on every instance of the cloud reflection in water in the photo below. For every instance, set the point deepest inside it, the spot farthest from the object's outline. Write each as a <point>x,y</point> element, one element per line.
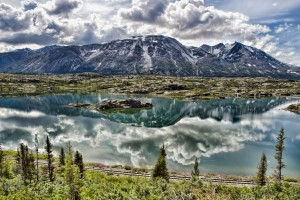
<point>109,142</point>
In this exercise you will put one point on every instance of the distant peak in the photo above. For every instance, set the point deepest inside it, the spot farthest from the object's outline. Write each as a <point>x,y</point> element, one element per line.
<point>238,43</point>
<point>220,45</point>
<point>22,50</point>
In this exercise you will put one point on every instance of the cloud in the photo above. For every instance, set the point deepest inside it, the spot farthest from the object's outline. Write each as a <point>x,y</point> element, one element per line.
<point>12,19</point>
<point>39,27</point>
<point>144,11</point>
<point>29,38</point>
<point>29,5</point>
<point>62,7</point>
<point>283,27</point>
<point>188,20</point>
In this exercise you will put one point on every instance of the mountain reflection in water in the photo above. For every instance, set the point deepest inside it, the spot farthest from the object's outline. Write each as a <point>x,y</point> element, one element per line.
<point>228,135</point>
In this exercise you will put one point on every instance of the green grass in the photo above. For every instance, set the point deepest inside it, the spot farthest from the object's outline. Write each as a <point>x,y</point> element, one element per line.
<point>98,185</point>
<point>291,180</point>
<point>13,154</point>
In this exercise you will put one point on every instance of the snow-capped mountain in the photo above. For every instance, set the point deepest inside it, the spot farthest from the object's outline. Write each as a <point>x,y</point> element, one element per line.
<point>153,54</point>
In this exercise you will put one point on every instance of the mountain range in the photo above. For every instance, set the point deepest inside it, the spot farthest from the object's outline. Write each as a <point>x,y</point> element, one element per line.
<point>149,55</point>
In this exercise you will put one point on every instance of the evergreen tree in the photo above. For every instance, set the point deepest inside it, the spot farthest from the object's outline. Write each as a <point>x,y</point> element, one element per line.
<point>24,161</point>
<point>1,161</point>
<point>279,155</point>
<point>62,157</point>
<point>31,166</point>
<point>36,145</point>
<point>18,161</point>
<point>262,169</point>
<point>50,166</point>
<point>196,171</point>
<point>160,168</point>
<point>69,172</point>
<point>78,160</point>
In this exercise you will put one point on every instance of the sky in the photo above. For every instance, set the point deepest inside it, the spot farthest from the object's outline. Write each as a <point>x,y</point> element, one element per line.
<point>270,25</point>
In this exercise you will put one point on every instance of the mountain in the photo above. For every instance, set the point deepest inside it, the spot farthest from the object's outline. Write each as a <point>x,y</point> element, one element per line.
<point>152,54</point>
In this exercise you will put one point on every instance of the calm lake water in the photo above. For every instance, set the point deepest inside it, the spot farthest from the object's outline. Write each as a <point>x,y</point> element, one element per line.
<point>227,135</point>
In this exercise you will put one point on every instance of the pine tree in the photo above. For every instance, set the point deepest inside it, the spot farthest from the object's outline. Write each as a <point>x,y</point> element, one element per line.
<point>1,161</point>
<point>24,161</point>
<point>62,157</point>
<point>279,155</point>
<point>70,172</point>
<point>78,160</point>
<point>31,166</point>
<point>196,171</point>
<point>50,166</point>
<point>160,169</point>
<point>18,161</point>
<point>262,170</point>
<point>36,144</point>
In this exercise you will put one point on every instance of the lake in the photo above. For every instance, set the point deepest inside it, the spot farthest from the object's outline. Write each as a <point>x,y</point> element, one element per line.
<point>228,135</point>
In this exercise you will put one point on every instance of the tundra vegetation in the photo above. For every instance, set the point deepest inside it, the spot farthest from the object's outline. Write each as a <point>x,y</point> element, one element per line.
<point>13,85</point>
<point>66,178</point>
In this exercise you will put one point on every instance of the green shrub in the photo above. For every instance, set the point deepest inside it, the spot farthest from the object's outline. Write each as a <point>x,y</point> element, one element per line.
<point>127,167</point>
<point>290,179</point>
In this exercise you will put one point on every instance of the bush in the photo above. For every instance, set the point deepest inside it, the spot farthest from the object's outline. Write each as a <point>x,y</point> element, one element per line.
<point>127,167</point>
<point>291,180</point>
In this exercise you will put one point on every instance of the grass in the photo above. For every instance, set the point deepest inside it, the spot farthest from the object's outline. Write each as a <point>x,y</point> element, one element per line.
<point>13,154</point>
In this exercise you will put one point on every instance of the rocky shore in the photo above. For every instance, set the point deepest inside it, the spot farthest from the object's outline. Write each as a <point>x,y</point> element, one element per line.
<point>295,108</point>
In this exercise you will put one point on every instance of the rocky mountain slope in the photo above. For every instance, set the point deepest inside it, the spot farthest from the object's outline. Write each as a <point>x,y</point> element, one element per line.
<point>153,54</point>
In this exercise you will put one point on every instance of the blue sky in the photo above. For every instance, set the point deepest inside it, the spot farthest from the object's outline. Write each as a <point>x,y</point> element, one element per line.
<point>270,25</point>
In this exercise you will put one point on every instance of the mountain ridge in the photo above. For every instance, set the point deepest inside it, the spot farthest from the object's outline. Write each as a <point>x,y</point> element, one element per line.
<point>149,55</point>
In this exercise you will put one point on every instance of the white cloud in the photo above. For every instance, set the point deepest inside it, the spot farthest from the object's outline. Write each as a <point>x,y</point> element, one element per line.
<point>187,20</point>
<point>283,27</point>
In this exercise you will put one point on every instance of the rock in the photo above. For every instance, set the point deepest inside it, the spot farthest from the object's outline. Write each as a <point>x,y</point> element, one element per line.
<point>128,103</point>
<point>140,92</point>
<point>79,105</point>
<point>175,87</point>
<point>295,108</point>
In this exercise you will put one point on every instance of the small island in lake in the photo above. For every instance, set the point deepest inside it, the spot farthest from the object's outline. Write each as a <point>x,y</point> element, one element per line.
<point>113,104</point>
<point>295,108</point>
